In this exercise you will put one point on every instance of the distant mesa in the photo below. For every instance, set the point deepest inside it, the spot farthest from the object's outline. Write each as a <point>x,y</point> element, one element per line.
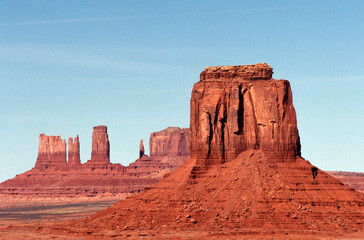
<point>54,176</point>
<point>170,145</point>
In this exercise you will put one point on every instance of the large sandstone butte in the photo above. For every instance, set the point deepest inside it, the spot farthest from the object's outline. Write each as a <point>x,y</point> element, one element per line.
<point>245,173</point>
<point>238,108</point>
<point>53,176</point>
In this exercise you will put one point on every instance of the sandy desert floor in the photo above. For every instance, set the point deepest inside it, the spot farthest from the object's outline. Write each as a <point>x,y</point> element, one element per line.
<point>21,218</point>
<point>18,215</point>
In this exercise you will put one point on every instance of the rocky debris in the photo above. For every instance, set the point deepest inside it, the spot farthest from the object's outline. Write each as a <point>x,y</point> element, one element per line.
<point>51,152</point>
<point>74,160</point>
<point>100,146</point>
<point>170,145</point>
<point>141,148</point>
<point>260,182</point>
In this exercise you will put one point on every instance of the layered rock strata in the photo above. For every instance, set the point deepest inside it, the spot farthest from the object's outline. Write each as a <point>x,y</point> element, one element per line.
<point>51,152</point>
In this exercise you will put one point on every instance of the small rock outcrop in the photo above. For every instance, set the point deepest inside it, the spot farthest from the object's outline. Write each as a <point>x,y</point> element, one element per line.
<point>74,160</point>
<point>100,146</point>
<point>236,108</point>
<point>51,152</point>
<point>141,148</point>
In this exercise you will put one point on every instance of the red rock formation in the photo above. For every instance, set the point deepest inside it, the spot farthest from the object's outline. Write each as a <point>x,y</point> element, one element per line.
<point>170,145</point>
<point>236,108</point>
<point>244,135</point>
<point>74,160</point>
<point>141,149</point>
<point>100,146</point>
<point>51,152</point>
<point>96,177</point>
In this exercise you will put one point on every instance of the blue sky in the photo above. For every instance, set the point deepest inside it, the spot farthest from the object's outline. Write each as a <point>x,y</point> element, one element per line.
<point>66,66</point>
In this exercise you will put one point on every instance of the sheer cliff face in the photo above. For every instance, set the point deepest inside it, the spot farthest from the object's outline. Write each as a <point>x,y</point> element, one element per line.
<point>172,141</point>
<point>51,152</point>
<point>236,108</point>
<point>100,146</point>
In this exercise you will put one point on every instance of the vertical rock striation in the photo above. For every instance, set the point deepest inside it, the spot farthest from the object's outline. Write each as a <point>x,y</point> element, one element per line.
<point>51,152</point>
<point>100,146</point>
<point>74,160</point>
<point>236,108</point>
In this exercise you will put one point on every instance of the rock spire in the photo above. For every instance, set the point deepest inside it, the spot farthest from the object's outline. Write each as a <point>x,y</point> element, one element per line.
<point>74,160</point>
<point>141,148</point>
<point>100,146</point>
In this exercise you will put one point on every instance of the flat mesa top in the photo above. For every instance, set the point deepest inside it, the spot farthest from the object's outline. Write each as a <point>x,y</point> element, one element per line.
<point>259,71</point>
